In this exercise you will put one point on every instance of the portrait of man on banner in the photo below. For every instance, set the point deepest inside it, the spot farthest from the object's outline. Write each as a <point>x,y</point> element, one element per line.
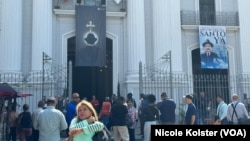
<point>213,52</point>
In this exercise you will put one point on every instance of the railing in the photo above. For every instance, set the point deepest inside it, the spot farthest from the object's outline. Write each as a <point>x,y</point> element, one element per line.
<point>209,18</point>
<point>111,5</point>
<point>156,79</point>
<point>30,88</point>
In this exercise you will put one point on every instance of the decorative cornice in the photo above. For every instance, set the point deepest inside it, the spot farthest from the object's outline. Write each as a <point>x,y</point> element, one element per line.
<point>72,12</point>
<point>196,27</point>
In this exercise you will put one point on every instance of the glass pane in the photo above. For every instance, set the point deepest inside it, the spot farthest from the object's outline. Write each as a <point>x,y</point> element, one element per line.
<point>207,12</point>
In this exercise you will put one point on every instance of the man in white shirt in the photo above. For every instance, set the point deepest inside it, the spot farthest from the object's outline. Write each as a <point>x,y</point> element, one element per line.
<point>50,122</point>
<point>221,110</point>
<point>236,110</point>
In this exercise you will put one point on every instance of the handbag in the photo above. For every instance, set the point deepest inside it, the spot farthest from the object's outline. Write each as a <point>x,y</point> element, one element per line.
<point>103,135</point>
<point>216,117</point>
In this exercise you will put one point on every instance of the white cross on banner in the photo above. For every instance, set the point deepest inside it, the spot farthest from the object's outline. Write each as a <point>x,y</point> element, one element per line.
<point>117,1</point>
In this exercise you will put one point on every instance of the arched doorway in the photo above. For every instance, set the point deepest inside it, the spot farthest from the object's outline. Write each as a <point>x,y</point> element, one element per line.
<point>88,81</point>
<point>212,81</point>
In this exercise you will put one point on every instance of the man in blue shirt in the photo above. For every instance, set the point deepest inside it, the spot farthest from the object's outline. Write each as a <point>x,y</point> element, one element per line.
<point>167,109</point>
<point>71,108</point>
<point>190,117</point>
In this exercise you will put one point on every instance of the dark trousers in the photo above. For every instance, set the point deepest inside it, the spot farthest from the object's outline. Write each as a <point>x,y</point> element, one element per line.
<point>131,133</point>
<point>224,121</point>
<point>105,120</point>
<point>109,125</point>
<point>142,122</point>
<point>13,134</point>
<point>67,132</point>
<point>35,134</point>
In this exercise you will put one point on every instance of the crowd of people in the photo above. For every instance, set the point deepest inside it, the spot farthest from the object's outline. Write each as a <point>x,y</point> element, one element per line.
<point>119,114</point>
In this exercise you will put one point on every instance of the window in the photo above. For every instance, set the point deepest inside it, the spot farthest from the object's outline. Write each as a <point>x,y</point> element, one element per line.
<point>207,12</point>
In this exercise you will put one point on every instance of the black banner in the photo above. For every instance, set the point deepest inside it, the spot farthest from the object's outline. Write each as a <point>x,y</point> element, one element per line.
<point>90,36</point>
<point>199,132</point>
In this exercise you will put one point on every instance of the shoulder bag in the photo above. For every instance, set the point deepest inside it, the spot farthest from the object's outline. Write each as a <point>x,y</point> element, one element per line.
<point>103,135</point>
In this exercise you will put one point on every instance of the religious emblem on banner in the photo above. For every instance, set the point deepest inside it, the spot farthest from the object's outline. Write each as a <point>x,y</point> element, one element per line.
<point>90,38</point>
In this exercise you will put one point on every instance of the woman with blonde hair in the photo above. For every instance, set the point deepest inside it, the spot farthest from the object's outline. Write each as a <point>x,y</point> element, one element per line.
<point>85,124</point>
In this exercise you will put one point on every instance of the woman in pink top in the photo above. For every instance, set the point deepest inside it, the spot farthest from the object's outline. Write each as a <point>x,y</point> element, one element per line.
<point>132,115</point>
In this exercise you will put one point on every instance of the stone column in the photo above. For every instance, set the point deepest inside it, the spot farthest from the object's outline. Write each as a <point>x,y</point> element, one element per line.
<point>243,7</point>
<point>41,32</point>
<point>175,34</point>
<point>161,28</point>
<point>136,37</point>
<point>167,31</point>
<point>10,36</point>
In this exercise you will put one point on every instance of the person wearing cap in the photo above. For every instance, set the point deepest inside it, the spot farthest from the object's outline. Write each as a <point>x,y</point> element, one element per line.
<point>236,111</point>
<point>190,116</point>
<point>50,122</point>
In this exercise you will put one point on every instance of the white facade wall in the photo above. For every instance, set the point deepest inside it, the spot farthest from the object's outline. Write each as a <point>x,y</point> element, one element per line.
<point>27,35</point>
<point>157,27</point>
<point>41,32</point>
<point>244,35</point>
<point>10,36</point>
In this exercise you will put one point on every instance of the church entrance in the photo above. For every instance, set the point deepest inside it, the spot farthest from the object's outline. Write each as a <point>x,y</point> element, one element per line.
<point>88,81</point>
<point>212,81</point>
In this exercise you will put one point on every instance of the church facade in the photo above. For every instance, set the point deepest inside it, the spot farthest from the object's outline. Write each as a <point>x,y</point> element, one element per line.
<point>140,31</point>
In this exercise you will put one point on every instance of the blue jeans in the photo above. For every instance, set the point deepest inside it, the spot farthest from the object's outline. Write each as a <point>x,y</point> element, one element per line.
<point>105,120</point>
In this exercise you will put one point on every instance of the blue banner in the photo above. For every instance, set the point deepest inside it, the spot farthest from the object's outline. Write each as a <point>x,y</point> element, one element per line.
<point>213,51</point>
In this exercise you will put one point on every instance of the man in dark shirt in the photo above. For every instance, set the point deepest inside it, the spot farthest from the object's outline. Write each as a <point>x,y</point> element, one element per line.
<point>143,104</point>
<point>151,116</point>
<point>167,110</point>
<point>202,103</point>
<point>190,117</point>
<point>119,113</point>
